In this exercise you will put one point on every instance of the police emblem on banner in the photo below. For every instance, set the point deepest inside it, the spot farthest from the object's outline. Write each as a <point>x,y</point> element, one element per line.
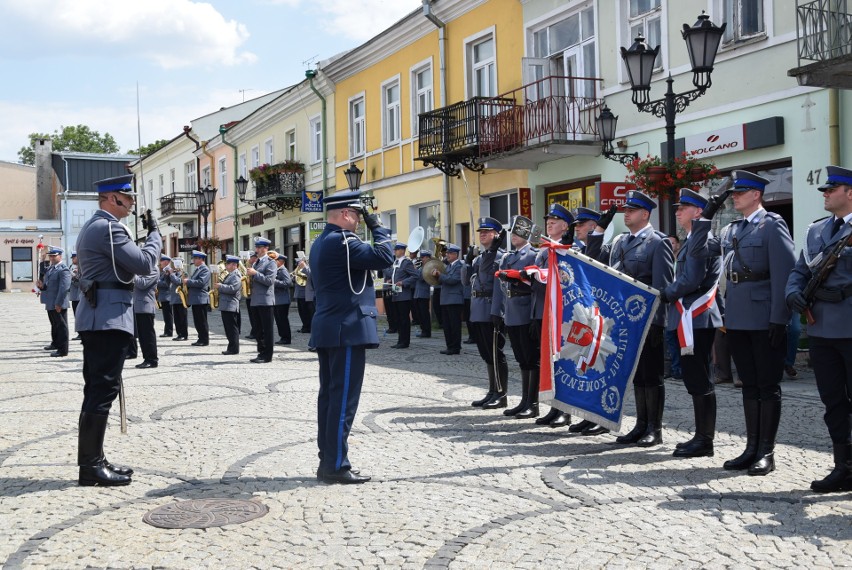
<point>594,327</point>
<point>311,201</point>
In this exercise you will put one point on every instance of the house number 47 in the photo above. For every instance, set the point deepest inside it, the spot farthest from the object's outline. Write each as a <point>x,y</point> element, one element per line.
<point>813,176</point>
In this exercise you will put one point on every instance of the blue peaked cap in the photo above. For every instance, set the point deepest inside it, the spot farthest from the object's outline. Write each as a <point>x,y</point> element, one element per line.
<point>745,180</point>
<point>837,176</point>
<point>561,212</point>
<point>123,184</point>
<point>690,197</point>
<point>638,199</point>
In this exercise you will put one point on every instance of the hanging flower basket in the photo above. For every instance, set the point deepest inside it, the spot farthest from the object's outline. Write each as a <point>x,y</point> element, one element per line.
<point>656,173</point>
<point>662,180</point>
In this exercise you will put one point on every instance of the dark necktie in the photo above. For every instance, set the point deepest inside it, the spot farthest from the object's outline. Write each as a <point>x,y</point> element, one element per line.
<point>630,239</point>
<point>836,227</point>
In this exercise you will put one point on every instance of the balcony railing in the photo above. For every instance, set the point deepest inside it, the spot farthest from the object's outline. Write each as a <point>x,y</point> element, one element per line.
<point>179,204</point>
<point>282,184</point>
<point>825,30</point>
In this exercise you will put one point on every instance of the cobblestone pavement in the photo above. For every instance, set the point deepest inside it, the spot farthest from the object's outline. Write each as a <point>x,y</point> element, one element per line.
<point>453,486</point>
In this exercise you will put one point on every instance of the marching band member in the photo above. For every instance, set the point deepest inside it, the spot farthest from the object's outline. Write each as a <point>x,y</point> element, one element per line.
<point>282,299</point>
<point>422,294</point>
<point>487,324</point>
<point>230,291</point>
<point>452,299</point>
<point>178,310</point>
<point>304,304</point>
<point>344,325</point>
<point>758,258</point>
<point>199,296</point>
<point>144,308</point>
<point>646,255</point>
<point>165,296</point>
<point>252,314</point>
<point>263,299</point>
<point>403,278</point>
<point>694,315</point>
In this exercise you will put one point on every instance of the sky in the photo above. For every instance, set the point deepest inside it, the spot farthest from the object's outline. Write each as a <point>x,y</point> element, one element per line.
<point>68,63</point>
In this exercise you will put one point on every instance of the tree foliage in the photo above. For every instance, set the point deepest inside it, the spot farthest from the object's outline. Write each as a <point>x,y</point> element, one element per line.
<point>78,138</point>
<point>147,149</point>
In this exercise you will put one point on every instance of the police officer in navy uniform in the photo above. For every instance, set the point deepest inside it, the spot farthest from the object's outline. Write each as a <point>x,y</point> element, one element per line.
<point>344,324</point>
<point>486,323</point>
<point>452,299</point>
<point>165,297</point>
<point>144,309</point>
<point>198,285</point>
<point>263,299</point>
<point>646,255</point>
<point>283,280</point>
<point>178,310</point>
<point>585,222</point>
<point>693,293</point>
<point>517,315</point>
<point>109,260</point>
<point>57,281</point>
<point>558,225</point>
<point>230,291</point>
<point>403,278</point>
<point>422,294</point>
<point>757,259</point>
<point>829,337</point>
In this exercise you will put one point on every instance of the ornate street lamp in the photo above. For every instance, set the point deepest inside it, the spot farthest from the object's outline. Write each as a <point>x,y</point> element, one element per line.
<point>353,176</point>
<point>241,184</point>
<point>205,198</point>
<point>606,123</point>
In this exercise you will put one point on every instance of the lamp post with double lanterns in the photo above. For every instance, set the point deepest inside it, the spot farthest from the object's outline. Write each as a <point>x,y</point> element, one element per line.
<point>205,198</point>
<point>702,42</point>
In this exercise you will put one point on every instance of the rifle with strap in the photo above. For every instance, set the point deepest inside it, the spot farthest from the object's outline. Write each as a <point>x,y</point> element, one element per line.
<point>820,273</point>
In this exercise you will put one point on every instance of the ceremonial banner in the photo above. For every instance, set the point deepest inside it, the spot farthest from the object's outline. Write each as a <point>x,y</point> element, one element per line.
<point>594,325</point>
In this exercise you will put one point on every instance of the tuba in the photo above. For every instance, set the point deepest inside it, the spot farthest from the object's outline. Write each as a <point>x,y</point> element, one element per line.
<point>435,263</point>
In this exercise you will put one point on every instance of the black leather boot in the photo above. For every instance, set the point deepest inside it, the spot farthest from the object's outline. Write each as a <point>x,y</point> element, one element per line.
<point>705,428</point>
<point>580,426</point>
<point>561,419</point>
<point>523,404</point>
<point>840,478</point>
<point>641,418</point>
<point>491,389</point>
<point>498,400</point>
<point>770,417</point>
<point>655,400</point>
<point>90,458</point>
<point>548,417</point>
<point>751,409</point>
<point>531,411</point>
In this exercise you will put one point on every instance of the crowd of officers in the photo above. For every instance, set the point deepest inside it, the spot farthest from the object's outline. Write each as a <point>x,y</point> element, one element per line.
<point>501,293</point>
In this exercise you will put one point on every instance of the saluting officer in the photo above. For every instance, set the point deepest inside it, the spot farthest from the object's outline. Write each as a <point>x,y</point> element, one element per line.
<point>517,314</point>
<point>199,296</point>
<point>694,315</point>
<point>165,297</point>
<point>403,277</point>
<point>422,294</point>
<point>344,325</point>
<point>109,260</point>
<point>452,300</point>
<point>57,281</point>
<point>829,338</point>
<point>557,224</point>
<point>646,255</point>
<point>144,308</point>
<point>486,323</point>
<point>282,299</point>
<point>263,299</point>
<point>586,220</point>
<point>230,291</point>
<point>758,257</point>
<point>178,310</point>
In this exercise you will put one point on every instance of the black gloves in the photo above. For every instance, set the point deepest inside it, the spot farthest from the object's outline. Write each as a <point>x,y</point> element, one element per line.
<point>568,236</point>
<point>150,221</point>
<point>372,221</point>
<point>713,205</point>
<point>777,335</point>
<point>606,217</point>
<point>663,298</point>
<point>471,254</point>
<point>497,321</point>
<point>797,302</point>
<point>495,245</point>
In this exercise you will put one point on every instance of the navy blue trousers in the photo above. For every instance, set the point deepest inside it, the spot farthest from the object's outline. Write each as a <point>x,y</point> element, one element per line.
<point>341,372</point>
<point>103,361</point>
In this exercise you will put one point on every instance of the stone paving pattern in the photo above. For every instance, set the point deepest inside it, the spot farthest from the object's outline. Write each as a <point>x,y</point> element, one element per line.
<point>453,486</point>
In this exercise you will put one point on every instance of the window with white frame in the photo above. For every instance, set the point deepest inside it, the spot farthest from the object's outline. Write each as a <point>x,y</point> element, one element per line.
<point>223,177</point>
<point>389,221</point>
<point>316,140</point>
<point>482,66</point>
<point>644,17</point>
<point>172,181</point>
<point>162,184</point>
<point>255,157</point>
<point>290,140</point>
<point>391,121</point>
<point>190,172</point>
<point>569,43</point>
<point>744,18</point>
<point>503,207</point>
<point>242,165</point>
<point>357,131</point>
<point>429,218</point>
<point>205,176</point>
<point>268,152</point>
<point>421,95</point>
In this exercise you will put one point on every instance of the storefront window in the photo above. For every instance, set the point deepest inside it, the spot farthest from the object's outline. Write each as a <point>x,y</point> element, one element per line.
<point>22,264</point>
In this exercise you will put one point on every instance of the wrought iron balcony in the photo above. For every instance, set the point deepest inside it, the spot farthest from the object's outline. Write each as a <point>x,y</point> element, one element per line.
<point>179,204</point>
<point>282,191</point>
<point>545,120</point>
<point>825,38</point>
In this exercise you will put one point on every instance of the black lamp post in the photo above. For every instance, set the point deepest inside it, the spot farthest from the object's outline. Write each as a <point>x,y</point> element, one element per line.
<point>205,198</point>
<point>702,42</point>
<point>353,176</point>
<point>241,184</point>
<point>606,127</point>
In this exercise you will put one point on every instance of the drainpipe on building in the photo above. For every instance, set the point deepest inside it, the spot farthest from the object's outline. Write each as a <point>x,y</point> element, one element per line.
<point>442,41</point>
<point>63,220</point>
<point>186,129</point>
<point>833,127</point>
<point>310,74</point>
<point>212,178</point>
<point>222,130</point>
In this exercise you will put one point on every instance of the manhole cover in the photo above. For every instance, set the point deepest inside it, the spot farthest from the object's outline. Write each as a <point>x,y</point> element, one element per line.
<point>204,513</point>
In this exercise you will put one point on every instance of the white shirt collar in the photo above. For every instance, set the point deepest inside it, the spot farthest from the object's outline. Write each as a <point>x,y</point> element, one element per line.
<point>756,215</point>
